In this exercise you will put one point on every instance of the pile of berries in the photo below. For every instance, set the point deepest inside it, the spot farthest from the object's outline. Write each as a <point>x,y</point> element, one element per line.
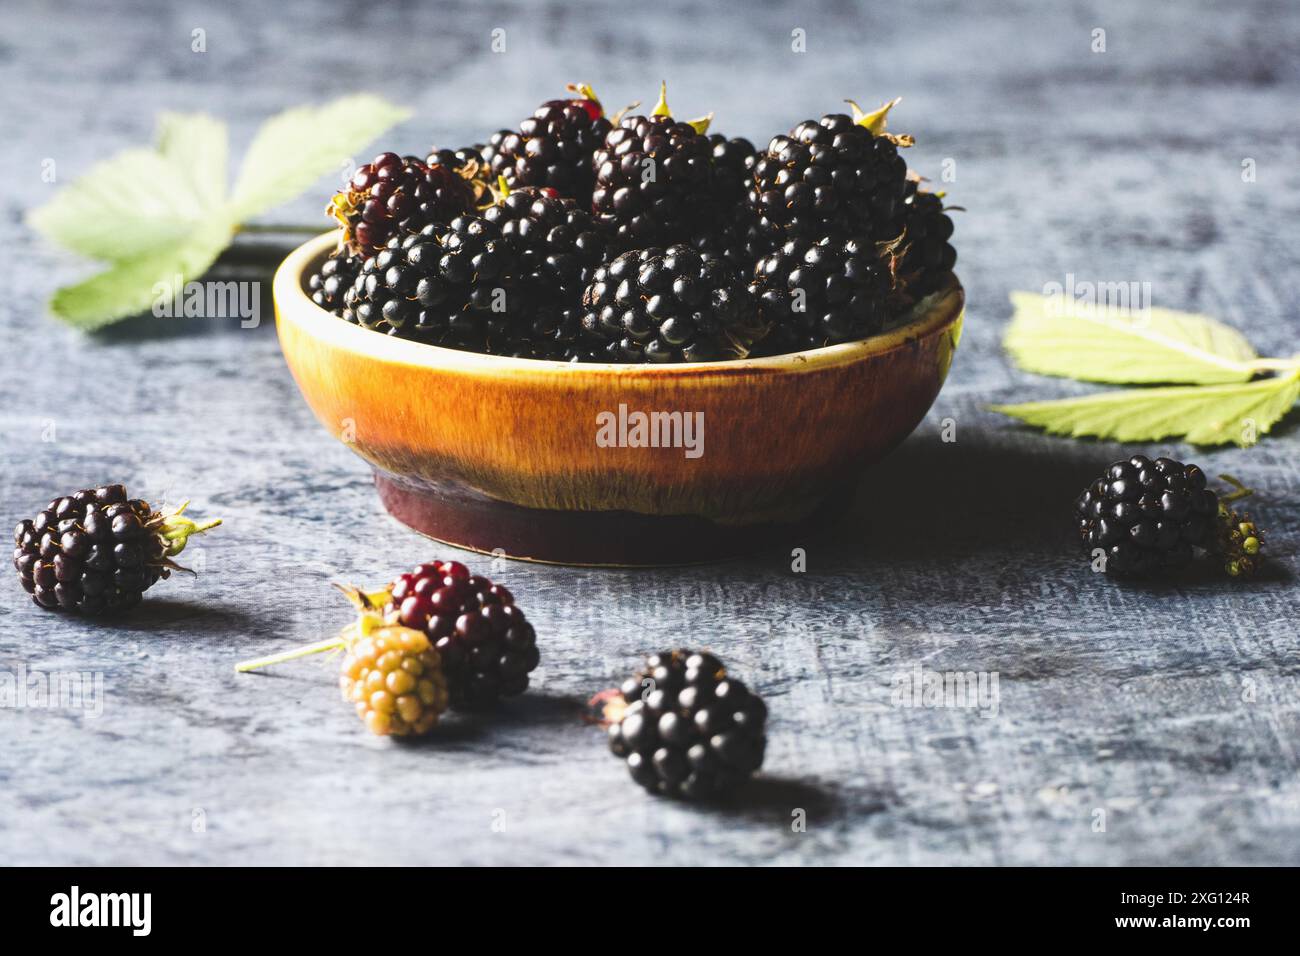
<point>508,247</point>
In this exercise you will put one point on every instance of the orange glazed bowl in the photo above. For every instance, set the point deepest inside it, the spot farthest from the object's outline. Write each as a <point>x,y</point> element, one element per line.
<point>610,464</point>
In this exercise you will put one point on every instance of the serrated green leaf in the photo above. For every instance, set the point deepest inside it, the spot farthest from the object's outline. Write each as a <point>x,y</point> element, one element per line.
<point>1202,415</point>
<point>131,204</point>
<point>133,285</point>
<point>197,145</point>
<point>293,150</point>
<point>1053,336</point>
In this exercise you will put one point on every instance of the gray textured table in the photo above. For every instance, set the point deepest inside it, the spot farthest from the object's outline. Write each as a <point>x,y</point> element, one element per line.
<point>1155,725</point>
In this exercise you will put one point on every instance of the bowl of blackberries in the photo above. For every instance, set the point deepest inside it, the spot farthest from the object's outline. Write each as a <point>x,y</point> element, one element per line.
<point>626,339</point>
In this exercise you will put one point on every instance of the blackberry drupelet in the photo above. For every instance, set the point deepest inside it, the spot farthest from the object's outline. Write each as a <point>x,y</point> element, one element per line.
<point>1148,517</point>
<point>670,305</point>
<point>926,258</point>
<point>687,729</point>
<point>839,176</point>
<point>331,281</point>
<point>554,147</point>
<point>654,176</point>
<point>812,294</point>
<point>98,551</point>
<point>445,285</point>
<point>470,164</point>
<point>487,646</point>
<point>397,196</point>
<point>733,166</point>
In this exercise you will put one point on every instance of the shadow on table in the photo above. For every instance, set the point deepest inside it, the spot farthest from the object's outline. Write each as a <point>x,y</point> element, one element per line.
<point>252,262</point>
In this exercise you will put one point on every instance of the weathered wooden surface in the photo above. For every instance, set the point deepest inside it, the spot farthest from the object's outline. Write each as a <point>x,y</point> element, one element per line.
<point>1169,712</point>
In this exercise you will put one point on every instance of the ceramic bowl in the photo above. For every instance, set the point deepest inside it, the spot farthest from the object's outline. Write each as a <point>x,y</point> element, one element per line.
<point>610,464</point>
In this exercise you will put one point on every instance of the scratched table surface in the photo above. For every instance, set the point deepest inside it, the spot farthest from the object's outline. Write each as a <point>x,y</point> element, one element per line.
<point>1129,725</point>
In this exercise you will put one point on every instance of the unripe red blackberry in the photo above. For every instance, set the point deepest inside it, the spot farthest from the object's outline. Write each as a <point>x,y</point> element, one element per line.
<point>685,728</point>
<point>488,648</point>
<point>397,196</point>
<point>553,148</point>
<point>98,551</point>
<point>1146,517</point>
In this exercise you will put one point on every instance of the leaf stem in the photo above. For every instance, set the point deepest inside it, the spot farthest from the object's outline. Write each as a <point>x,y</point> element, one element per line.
<point>1276,365</point>
<point>320,646</point>
<point>279,228</point>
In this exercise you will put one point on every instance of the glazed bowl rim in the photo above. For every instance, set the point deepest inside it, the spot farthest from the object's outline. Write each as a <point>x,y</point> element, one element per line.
<point>293,303</point>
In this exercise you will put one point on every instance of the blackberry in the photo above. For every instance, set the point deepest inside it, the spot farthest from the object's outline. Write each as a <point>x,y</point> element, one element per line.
<point>393,677</point>
<point>654,176</point>
<point>98,551</point>
<point>812,294</point>
<point>396,196</point>
<point>1148,517</point>
<point>686,728</point>
<point>553,148</point>
<point>444,285</point>
<point>557,248</point>
<point>926,257</point>
<point>487,646</point>
<point>670,305</point>
<point>331,281</point>
<point>470,164</point>
<point>733,166</point>
<point>839,176</point>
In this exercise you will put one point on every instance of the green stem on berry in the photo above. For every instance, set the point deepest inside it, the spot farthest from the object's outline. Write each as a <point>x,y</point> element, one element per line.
<point>176,529</point>
<point>334,643</point>
<point>700,124</point>
<point>1241,490</point>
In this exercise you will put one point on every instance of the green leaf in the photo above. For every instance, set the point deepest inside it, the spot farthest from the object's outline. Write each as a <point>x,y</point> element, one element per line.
<point>133,285</point>
<point>1203,415</point>
<point>131,204</point>
<point>197,145</point>
<point>1056,336</point>
<point>298,147</point>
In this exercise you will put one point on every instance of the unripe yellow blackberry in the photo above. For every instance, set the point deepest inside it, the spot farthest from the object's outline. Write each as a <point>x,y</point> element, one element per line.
<point>393,676</point>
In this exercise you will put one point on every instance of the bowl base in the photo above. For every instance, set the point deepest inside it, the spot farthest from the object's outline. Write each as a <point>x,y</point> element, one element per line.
<point>464,518</point>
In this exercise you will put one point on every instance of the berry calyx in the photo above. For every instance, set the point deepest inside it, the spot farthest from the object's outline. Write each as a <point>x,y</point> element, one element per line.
<point>97,551</point>
<point>685,727</point>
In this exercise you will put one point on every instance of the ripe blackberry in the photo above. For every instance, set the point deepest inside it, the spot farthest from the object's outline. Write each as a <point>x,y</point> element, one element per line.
<point>812,294</point>
<point>396,196</point>
<point>470,164</point>
<point>445,285</point>
<point>839,176</point>
<point>733,166</point>
<point>98,551</point>
<point>331,281</point>
<point>1148,517</point>
<point>654,176</point>
<point>553,147</point>
<point>926,257</point>
<point>487,646</point>
<point>673,305</point>
<point>687,729</point>
<point>394,678</point>
<point>557,249</point>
